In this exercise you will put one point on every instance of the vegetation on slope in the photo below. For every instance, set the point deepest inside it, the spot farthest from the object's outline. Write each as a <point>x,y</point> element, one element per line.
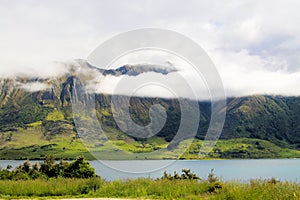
<point>31,143</point>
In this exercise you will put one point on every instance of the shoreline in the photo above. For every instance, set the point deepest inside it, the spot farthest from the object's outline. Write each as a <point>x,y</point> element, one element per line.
<point>208,159</point>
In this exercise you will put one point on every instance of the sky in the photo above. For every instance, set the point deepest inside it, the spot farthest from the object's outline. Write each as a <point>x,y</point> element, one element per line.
<point>255,44</point>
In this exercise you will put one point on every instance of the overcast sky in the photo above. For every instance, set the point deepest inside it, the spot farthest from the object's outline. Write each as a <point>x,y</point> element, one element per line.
<point>254,44</point>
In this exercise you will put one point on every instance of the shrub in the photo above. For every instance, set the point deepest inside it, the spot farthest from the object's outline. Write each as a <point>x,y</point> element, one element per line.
<point>78,168</point>
<point>186,174</point>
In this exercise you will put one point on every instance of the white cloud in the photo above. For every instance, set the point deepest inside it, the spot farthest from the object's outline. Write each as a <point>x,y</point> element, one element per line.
<point>172,85</point>
<point>255,44</point>
<point>34,86</point>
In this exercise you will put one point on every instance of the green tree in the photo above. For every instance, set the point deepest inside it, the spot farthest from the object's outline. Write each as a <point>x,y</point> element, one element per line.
<point>79,169</point>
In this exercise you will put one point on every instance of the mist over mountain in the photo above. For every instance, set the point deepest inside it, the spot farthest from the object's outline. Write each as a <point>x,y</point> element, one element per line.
<point>45,105</point>
<point>134,70</point>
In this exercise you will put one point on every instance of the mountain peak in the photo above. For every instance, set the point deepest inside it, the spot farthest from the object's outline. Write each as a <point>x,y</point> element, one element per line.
<point>137,69</point>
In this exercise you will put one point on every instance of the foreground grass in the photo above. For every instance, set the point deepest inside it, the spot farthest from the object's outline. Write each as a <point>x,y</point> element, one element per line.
<point>258,189</point>
<point>52,187</point>
<point>149,189</point>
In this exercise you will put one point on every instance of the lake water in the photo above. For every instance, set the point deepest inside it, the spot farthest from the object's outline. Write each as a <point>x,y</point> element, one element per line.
<point>241,170</point>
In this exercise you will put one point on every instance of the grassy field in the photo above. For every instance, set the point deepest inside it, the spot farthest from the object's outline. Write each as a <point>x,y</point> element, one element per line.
<point>242,148</point>
<point>31,143</point>
<point>150,189</point>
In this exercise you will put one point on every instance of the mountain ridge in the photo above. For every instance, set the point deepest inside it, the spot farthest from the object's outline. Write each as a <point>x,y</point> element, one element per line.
<point>49,112</point>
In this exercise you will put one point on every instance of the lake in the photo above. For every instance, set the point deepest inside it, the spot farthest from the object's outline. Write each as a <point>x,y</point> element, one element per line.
<point>241,170</point>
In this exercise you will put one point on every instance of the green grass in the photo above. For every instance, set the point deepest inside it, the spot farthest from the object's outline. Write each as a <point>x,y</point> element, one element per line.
<point>260,190</point>
<point>241,148</point>
<point>51,187</point>
<point>32,143</point>
<point>35,124</point>
<point>147,188</point>
<point>144,188</point>
<point>55,116</point>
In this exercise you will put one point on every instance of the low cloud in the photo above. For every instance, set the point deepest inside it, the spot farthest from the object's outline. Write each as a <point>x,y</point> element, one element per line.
<point>34,86</point>
<point>39,69</point>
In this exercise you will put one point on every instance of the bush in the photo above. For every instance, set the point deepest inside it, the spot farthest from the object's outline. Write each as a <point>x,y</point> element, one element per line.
<point>78,168</point>
<point>186,175</point>
<point>214,184</point>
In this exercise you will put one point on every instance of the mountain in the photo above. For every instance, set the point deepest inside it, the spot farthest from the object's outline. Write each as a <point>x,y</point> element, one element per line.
<point>134,70</point>
<point>36,116</point>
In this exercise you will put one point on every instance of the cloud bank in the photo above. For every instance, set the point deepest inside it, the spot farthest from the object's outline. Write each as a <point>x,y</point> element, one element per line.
<point>255,45</point>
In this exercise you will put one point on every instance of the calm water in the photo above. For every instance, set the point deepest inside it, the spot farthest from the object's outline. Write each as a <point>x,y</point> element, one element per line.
<point>242,170</point>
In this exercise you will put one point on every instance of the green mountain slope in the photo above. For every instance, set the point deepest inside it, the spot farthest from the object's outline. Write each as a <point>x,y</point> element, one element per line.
<point>34,123</point>
<point>272,118</point>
